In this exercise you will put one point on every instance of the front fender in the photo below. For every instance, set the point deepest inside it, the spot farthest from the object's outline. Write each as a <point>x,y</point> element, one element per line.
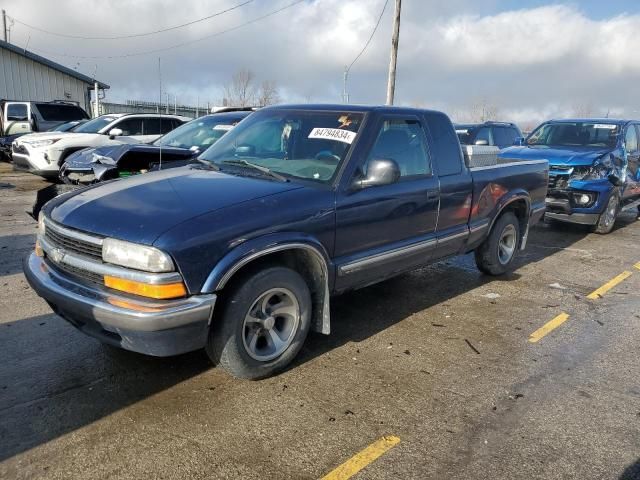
<point>259,247</point>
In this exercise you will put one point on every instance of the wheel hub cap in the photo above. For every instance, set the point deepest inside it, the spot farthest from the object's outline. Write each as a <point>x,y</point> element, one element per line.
<point>271,324</point>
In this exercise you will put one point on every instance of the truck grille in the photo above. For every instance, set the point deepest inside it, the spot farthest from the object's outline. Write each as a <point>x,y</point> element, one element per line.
<point>60,240</point>
<point>559,182</point>
<point>77,273</point>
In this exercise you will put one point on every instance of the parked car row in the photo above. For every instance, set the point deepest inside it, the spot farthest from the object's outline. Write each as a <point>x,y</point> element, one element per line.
<point>273,212</point>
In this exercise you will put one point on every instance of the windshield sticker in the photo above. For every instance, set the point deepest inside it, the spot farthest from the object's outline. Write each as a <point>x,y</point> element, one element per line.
<point>223,127</point>
<point>344,136</point>
<point>345,121</point>
<point>604,126</point>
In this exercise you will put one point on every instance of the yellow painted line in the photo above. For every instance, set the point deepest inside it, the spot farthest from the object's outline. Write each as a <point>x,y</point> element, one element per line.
<point>596,294</point>
<point>548,327</point>
<point>637,265</point>
<point>360,460</point>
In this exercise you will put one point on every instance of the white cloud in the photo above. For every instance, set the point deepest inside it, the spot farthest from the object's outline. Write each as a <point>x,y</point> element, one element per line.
<point>531,63</point>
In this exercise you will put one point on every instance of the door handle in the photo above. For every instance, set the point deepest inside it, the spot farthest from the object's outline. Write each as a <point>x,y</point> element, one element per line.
<point>432,194</point>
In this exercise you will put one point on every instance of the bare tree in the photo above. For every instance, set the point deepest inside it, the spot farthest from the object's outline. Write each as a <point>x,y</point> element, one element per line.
<point>240,92</point>
<point>268,93</point>
<point>582,110</point>
<point>484,111</point>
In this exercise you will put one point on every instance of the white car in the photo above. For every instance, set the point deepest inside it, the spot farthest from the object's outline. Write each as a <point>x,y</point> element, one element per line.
<point>43,153</point>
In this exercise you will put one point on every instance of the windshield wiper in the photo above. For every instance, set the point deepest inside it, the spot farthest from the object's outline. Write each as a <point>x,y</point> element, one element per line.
<point>205,164</point>
<point>255,166</point>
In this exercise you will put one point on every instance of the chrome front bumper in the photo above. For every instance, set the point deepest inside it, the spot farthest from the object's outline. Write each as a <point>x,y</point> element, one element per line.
<point>160,328</point>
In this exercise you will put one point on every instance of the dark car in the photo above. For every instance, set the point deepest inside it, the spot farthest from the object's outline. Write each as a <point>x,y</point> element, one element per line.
<point>174,149</point>
<point>594,168</point>
<point>241,252</point>
<point>498,134</point>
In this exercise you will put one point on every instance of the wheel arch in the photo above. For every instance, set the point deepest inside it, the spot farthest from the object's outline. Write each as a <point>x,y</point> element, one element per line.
<point>306,256</point>
<point>519,203</point>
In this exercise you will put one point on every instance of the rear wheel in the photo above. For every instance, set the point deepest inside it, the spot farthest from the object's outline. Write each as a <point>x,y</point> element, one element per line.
<point>264,323</point>
<point>607,219</point>
<point>496,254</point>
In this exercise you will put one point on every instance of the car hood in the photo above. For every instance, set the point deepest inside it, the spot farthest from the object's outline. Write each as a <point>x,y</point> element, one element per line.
<point>555,155</point>
<point>141,208</point>
<point>50,136</point>
<point>87,157</point>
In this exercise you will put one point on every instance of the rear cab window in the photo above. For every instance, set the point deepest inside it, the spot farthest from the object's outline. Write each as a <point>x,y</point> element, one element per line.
<point>445,147</point>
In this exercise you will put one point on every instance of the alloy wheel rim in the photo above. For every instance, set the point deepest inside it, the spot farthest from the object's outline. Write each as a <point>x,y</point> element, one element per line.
<point>507,244</point>
<point>610,214</point>
<point>271,324</point>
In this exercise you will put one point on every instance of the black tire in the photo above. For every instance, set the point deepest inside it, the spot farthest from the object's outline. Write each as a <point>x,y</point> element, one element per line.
<point>489,255</point>
<point>227,345</point>
<point>607,219</point>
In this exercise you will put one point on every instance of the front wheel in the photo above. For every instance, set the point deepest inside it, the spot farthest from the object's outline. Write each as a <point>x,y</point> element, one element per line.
<point>265,321</point>
<point>496,254</point>
<point>607,219</point>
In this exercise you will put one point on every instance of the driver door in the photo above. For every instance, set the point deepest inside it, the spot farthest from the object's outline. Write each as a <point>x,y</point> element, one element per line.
<point>386,229</point>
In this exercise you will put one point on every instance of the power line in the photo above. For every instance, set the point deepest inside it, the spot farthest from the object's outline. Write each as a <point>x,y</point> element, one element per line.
<point>172,47</point>
<point>345,95</point>
<point>133,35</point>
<point>371,37</point>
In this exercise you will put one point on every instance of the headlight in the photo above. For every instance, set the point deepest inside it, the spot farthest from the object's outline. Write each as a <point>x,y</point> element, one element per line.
<point>41,143</point>
<point>139,257</point>
<point>41,227</point>
<point>598,171</point>
<point>95,158</point>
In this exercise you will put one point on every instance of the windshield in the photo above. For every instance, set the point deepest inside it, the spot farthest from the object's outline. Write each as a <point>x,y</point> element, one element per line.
<point>301,144</point>
<point>200,133</point>
<point>95,125</point>
<point>576,134</point>
<point>68,126</point>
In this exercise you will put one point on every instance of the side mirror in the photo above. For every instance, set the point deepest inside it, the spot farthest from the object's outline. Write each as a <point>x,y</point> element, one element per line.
<point>481,142</point>
<point>519,141</point>
<point>245,151</point>
<point>380,171</point>
<point>115,132</point>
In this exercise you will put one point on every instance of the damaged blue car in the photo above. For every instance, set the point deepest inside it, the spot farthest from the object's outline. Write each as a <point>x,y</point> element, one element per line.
<point>593,168</point>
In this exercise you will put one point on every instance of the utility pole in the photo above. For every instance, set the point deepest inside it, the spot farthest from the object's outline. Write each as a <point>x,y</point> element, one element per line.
<point>345,95</point>
<point>391,85</point>
<point>4,25</point>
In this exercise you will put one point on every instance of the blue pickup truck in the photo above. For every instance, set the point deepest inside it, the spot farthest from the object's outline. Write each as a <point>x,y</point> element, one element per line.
<point>593,168</point>
<point>241,252</point>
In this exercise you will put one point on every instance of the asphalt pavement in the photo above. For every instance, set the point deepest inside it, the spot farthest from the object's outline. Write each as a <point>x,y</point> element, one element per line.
<point>436,374</point>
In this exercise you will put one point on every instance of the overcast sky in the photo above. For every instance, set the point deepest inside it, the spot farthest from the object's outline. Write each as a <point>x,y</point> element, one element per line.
<point>532,59</point>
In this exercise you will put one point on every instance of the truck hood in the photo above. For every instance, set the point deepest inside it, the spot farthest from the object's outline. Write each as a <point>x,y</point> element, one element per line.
<point>555,155</point>
<point>141,208</point>
<point>85,158</point>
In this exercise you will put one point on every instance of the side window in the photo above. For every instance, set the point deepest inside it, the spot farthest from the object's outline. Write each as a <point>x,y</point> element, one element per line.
<point>130,126</point>
<point>151,126</point>
<point>484,134</point>
<point>17,112</point>
<point>404,142</point>
<point>504,136</point>
<point>631,139</point>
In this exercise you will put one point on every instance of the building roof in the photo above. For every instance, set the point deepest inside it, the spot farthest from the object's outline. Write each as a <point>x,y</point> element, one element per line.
<point>56,66</point>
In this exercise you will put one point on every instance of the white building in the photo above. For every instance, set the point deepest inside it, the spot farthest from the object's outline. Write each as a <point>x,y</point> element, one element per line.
<point>26,76</point>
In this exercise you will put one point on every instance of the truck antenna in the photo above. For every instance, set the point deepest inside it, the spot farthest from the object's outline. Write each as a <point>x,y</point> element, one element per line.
<point>160,110</point>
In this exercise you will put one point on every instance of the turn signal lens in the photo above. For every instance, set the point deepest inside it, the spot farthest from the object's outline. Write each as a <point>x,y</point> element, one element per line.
<point>161,292</point>
<point>38,249</point>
